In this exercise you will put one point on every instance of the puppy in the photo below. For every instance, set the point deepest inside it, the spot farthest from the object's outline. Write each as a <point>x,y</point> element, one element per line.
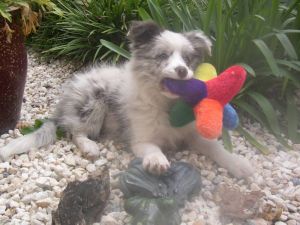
<point>129,102</point>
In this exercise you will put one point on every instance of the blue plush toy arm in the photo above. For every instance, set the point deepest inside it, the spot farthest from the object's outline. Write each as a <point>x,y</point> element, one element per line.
<point>230,117</point>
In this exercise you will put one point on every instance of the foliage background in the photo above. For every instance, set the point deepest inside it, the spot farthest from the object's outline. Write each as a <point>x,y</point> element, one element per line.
<point>261,35</point>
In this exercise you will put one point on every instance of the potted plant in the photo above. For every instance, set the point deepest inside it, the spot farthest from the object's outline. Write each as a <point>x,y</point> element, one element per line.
<point>18,18</point>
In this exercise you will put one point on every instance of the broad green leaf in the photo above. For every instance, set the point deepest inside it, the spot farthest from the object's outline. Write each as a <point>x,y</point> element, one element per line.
<point>289,31</point>
<point>180,13</point>
<point>292,117</point>
<point>256,114</point>
<point>220,26</point>
<point>22,3</point>
<point>294,78</point>
<point>60,133</point>
<point>143,14</point>
<point>4,13</point>
<point>289,63</point>
<point>115,48</point>
<point>268,56</point>
<point>263,149</point>
<point>268,111</point>
<point>248,68</point>
<point>97,52</point>
<point>29,129</point>
<point>227,140</point>
<point>38,123</point>
<point>26,130</point>
<point>157,13</point>
<point>287,45</point>
<point>208,17</point>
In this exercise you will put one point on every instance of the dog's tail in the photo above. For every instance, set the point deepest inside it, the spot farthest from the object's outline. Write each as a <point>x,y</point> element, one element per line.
<point>41,137</point>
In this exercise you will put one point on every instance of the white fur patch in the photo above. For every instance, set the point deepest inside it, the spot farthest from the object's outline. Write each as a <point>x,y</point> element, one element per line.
<point>174,41</point>
<point>174,61</point>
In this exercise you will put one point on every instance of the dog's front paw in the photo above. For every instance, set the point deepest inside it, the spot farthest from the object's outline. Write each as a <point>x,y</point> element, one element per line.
<point>156,163</point>
<point>239,167</point>
<point>90,149</point>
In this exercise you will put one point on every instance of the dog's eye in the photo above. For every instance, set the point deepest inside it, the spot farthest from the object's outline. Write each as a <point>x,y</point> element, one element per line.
<point>162,56</point>
<point>188,59</point>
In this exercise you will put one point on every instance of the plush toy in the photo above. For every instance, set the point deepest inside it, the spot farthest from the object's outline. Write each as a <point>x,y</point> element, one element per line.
<point>209,100</point>
<point>182,113</point>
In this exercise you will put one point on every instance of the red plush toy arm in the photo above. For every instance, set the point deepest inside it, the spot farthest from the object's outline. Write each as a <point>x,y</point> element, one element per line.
<point>225,86</point>
<point>220,90</point>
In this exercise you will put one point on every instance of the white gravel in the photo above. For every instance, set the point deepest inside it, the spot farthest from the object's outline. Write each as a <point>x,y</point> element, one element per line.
<point>31,184</point>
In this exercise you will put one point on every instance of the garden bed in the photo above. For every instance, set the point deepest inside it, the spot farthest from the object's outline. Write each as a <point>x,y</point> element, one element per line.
<point>31,184</point>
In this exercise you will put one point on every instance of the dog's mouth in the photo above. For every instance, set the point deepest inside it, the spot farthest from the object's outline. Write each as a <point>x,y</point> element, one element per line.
<point>165,90</point>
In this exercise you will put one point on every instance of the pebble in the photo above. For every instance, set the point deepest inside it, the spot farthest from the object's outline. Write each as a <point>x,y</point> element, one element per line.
<point>70,160</point>
<point>110,156</point>
<point>101,162</point>
<point>255,187</point>
<point>258,221</point>
<point>283,217</point>
<point>108,220</point>
<point>199,222</point>
<point>297,171</point>
<point>44,203</point>
<point>292,222</point>
<point>91,168</point>
<point>291,208</point>
<point>280,223</point>
<point>2,209</point>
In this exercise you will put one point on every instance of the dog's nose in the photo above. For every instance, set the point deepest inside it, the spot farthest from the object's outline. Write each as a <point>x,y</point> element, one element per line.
<point>181,71</point>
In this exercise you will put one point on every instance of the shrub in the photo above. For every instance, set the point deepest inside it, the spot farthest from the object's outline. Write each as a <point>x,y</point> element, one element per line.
<point>30,13</point>
<point>81,31</point>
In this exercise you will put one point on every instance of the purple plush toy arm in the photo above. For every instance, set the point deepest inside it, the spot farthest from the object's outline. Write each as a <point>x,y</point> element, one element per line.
<point>192,91</point>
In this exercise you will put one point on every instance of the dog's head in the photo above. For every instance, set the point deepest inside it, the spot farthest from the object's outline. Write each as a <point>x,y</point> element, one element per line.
<point>159,53</point>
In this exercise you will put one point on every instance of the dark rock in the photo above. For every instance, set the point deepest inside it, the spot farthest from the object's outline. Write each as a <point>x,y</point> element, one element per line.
<point>83,202</point>
<point>156,200</point>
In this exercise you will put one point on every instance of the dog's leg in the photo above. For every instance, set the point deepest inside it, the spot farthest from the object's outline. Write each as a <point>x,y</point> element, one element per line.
<point>90,126</point>
<point>153,159</point>
<point>83,115</point>
<point>87,146</point>
<point>235,164</point>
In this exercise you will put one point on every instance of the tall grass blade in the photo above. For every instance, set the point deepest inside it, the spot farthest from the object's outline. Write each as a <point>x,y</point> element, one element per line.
<point>268,111</point>
<point>157,13</point>
<point>268,56</point>
<point>219,34</point>
<point>115,48</point>
<point>227,140</point>
<point>290,64</point>
<point>144,14</point>
<point>292,117</point>
<point>251,110</point>
<point>263,149</point>
<point>248,68</point>
<point>287,45</point>
<point>207,19</point>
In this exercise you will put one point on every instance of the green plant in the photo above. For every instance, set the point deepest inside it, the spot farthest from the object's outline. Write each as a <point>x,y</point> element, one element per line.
<point>261,35</point>
<point>83,30</point>
<point>37,124</point>
<point>31,11</point>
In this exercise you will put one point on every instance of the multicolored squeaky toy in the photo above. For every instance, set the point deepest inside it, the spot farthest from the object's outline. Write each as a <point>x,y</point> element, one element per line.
<point>207,100</point>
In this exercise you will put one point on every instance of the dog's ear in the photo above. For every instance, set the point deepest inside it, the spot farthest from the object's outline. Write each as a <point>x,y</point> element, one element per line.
<point>143,32</point>
<point>200,42</point>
